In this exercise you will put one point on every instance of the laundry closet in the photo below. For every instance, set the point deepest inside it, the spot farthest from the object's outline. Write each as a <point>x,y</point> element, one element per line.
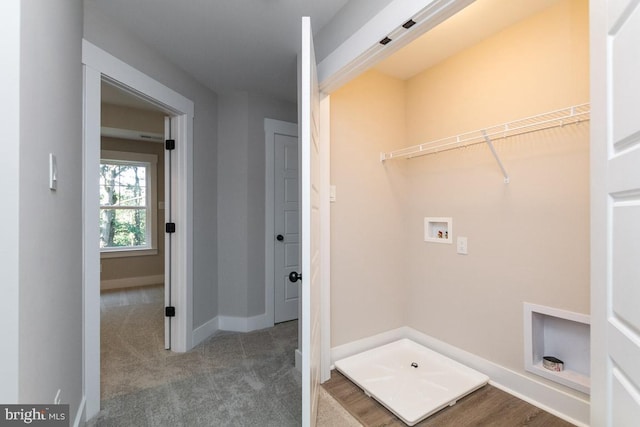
<point>527,240</point>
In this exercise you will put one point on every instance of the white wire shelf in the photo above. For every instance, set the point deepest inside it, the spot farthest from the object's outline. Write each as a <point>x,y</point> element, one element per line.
<point>551,119</point>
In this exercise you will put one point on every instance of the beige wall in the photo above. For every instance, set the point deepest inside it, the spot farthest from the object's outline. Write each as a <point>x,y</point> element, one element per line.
<point>368,289</point>
<point>135,267</point>
<point>528,240</point>
<point>116,116</point>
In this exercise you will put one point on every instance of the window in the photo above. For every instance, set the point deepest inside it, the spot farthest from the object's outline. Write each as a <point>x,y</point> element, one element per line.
<point>127,204</point>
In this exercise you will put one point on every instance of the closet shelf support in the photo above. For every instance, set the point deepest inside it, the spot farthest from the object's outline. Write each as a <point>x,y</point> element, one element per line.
<point>495,154</point>
<point>562,117</point>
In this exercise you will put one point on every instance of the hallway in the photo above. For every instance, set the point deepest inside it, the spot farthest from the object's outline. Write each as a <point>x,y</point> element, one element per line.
<point>230,379</point>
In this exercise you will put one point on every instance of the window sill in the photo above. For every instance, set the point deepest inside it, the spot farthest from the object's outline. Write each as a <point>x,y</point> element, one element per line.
<point>127,253</point>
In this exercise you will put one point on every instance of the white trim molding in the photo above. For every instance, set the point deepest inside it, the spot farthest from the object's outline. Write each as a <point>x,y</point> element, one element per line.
<point>100,65</point>
<point>564,405</point>
<point>205,331</point>
<point>137,83</point>
<point>80,414</point>
<point>244,324</point>
<point>230,324</point>
<point>131,282</point>
<point>363,50</point>
<point>271,128</point>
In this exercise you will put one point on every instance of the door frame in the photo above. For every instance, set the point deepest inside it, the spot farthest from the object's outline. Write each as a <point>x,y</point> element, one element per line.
<point>271,128</point>
<point>354,56</point>
<point>98,65</point>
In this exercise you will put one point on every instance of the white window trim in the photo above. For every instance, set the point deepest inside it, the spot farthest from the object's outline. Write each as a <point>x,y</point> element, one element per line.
<point>152,160</point>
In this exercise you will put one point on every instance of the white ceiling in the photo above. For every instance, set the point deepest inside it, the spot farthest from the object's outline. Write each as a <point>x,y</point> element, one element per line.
<point>251,45</point>
<point>476,22</point>
<point>227,45</point>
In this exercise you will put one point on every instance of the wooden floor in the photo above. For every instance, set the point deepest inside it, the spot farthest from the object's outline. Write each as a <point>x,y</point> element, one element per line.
<point>488,406</point>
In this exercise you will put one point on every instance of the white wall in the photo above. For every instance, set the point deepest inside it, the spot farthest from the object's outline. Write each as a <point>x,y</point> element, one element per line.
<point>233,141</point>
<point>102,31</point>
<point>10,214</point>
<point>260,107</point>
<point>241,199</point>
<point>528,240</point>
<point>205,212</point>
<point>368,255</point>
<point>50,224</point>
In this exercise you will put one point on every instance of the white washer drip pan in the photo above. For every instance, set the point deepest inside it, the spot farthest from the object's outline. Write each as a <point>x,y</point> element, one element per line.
<point>410,380</point>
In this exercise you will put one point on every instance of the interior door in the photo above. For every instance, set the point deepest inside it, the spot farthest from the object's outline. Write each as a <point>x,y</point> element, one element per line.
<point>167,237</point>
<point>615,142</point>
<point>286,225</point>
<point>310,221</point>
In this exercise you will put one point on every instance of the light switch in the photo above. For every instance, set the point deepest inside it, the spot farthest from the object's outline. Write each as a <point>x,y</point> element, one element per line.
<point>462,245</point>
<point>332,193</point>
<point>53,172</point>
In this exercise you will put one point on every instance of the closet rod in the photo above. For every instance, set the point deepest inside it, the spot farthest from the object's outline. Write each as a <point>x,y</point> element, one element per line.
<point>551,119</point>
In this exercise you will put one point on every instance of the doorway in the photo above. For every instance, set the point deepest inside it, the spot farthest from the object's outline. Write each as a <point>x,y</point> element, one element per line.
<point>133,199</point>
<point>100,66</point>
<point>282,220</point>
<point>133,202</point>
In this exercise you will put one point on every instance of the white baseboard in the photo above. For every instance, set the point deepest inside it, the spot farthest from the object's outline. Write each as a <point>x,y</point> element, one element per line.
<point>204,331</point>
<point>244,324</point>
<point>80,414</point>
<point>557,402</point>
<point>230,323</point>
<point>364,344</point>
<point>131,282</point>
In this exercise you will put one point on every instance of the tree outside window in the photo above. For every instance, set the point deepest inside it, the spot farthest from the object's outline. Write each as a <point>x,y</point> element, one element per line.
<point>126,215</point>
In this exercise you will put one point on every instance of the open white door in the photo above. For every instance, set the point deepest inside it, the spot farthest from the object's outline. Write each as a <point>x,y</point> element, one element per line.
<point>167,236</point>
<point>615,166</point>
<point>310,230</point>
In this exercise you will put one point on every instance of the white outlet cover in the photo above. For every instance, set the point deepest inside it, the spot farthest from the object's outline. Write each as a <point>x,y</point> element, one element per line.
<point>462,245</point>
<point>332,193</point>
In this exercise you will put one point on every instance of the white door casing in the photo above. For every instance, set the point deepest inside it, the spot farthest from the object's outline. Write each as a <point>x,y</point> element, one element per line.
<point>615,212</point>
<point>274,130</point>
<point>286,225</point>
<point>99,65</point>
<point>310,176</point>
<point>167,236</point>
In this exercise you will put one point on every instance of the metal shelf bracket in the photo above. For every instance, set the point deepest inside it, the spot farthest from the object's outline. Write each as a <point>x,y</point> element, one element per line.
<point>495,154</point>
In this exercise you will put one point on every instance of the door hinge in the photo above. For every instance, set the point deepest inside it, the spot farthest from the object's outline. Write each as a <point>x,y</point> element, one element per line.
<point>170,311</point>
<point>170,227</point>
<point>170,144</point>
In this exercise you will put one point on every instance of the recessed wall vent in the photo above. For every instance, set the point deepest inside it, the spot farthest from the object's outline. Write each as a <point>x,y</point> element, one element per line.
<point>410,23</point>
<point>385,41</point>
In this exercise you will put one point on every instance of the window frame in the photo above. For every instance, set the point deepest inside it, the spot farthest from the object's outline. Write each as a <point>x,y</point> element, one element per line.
<point>150,162</point>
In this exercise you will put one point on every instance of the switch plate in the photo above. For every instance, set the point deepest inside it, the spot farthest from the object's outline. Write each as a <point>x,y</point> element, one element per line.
<point>53,172</point>
<point>332,193</point>
<point>461,244</point>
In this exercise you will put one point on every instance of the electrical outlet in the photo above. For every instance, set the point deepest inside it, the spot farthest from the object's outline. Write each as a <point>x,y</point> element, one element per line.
<point>462,245</point>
